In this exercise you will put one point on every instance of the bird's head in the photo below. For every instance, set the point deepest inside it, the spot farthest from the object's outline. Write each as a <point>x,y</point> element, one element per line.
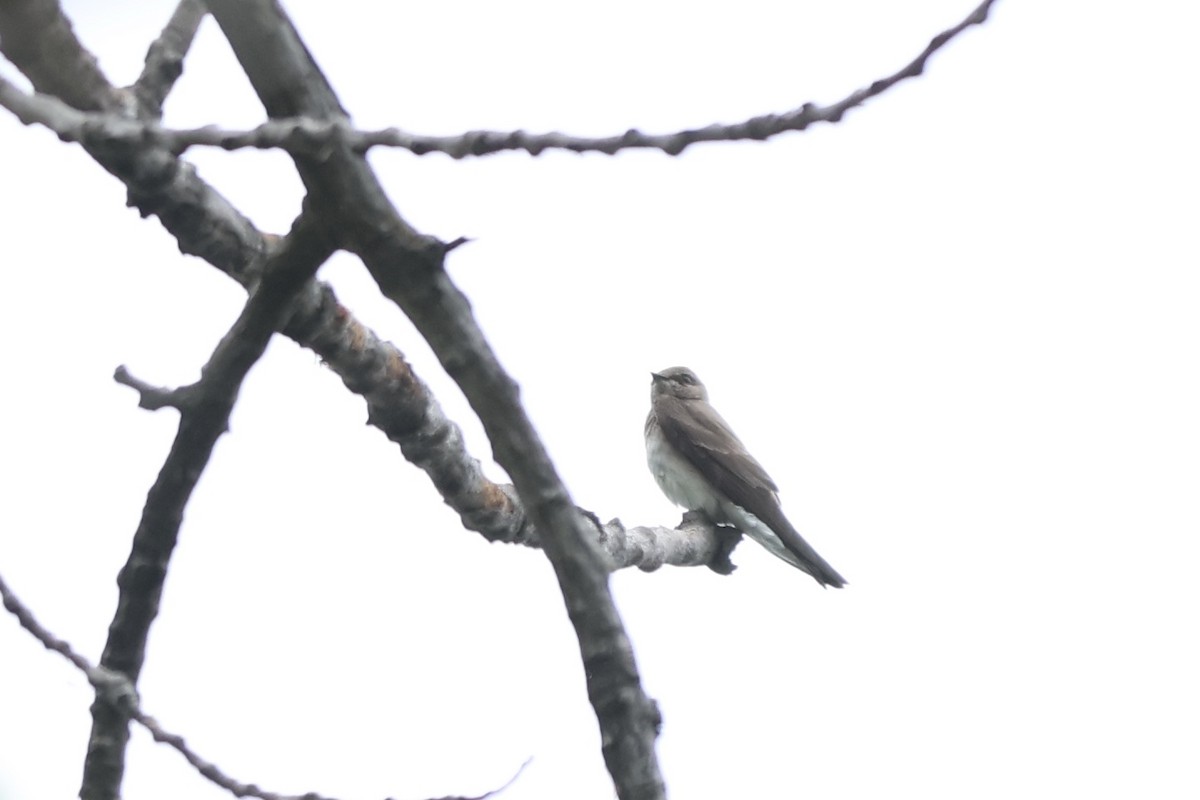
<point>678,382</point>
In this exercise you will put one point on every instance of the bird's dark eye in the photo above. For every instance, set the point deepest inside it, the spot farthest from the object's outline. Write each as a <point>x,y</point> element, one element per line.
<point>686,380</point>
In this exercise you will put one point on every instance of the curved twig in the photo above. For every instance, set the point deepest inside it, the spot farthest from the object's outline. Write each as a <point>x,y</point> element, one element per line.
<point>313,135</point>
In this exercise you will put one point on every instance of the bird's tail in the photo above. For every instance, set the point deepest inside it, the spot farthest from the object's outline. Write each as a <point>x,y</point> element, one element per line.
<point>785,542</point>
<point>817,567</point>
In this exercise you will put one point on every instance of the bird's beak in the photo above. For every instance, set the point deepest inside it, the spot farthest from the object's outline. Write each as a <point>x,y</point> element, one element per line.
<point>654,376</point>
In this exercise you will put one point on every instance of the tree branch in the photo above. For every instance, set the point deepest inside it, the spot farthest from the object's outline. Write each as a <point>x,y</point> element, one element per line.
<point>408,267</point>
<point>399,403</point>
<point>695,542</point>
<point>306,135</point>
<point>151,398</point>
<point>204,415</point>
<point>115,689</point>
<point>203,222</point>
<point>206,225</point>
<point>38,39</point>
<point>164,59</point>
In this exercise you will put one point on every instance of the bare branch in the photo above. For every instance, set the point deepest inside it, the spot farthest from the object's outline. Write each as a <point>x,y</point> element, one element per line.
<point>51,642</point>
<point>206,225</point>
<point>399,403</point>
<point>115,689</point>
<point>205,408</point>
<point>498,790</point>
<point>164,59</point>
<point>696,542</point>
<point>311,135</point>
<point>38,39</point>
<point>408,267</point>
<point>203,222</point>
<point>151,398</point>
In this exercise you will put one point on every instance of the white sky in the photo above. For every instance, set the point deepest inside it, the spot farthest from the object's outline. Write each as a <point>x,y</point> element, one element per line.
<point>960,330</point>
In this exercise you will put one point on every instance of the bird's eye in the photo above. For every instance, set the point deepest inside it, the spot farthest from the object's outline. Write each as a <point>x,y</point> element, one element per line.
<point>686,380</point>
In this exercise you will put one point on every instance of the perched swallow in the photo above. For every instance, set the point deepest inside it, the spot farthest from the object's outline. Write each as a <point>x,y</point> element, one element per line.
<point>701,465</point>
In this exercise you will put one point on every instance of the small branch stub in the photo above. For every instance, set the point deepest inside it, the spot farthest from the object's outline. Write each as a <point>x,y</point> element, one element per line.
<point>150,397</point>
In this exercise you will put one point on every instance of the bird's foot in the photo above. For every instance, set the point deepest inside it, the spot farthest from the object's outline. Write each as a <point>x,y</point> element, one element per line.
<point>727,540</point>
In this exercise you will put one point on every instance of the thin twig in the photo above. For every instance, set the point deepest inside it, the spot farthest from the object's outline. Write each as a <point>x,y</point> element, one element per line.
<point>204,416</point>
<point>151,398</point>
<point>312,135</point>
<point>115,689</point>
<point>494,792</point>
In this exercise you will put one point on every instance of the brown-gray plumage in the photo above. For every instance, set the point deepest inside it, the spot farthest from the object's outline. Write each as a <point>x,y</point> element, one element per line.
<point>701,465</point>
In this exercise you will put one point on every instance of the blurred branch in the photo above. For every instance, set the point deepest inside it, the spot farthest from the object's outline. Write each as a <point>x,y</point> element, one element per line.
<point>151,398</point>
<point>311,135</point>
<point>97,676</point>
<point>113,688</point>
<point>202,221</point>
<point>164,59</point>
<point>38,39</point>
<point>204,415</point>
<point>408,267</point>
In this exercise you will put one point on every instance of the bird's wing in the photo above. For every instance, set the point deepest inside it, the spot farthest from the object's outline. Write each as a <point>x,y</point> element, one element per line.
<point>704,438</point>
<point>698,432</point>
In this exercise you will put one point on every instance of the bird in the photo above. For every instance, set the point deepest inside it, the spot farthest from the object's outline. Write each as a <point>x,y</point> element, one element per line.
<point>701,465</point>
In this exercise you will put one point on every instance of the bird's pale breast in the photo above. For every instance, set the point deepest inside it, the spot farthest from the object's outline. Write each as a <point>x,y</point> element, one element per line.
<point>679,480</point>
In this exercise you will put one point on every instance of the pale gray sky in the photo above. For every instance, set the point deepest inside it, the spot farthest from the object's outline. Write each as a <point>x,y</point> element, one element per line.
<point>958,328</point>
